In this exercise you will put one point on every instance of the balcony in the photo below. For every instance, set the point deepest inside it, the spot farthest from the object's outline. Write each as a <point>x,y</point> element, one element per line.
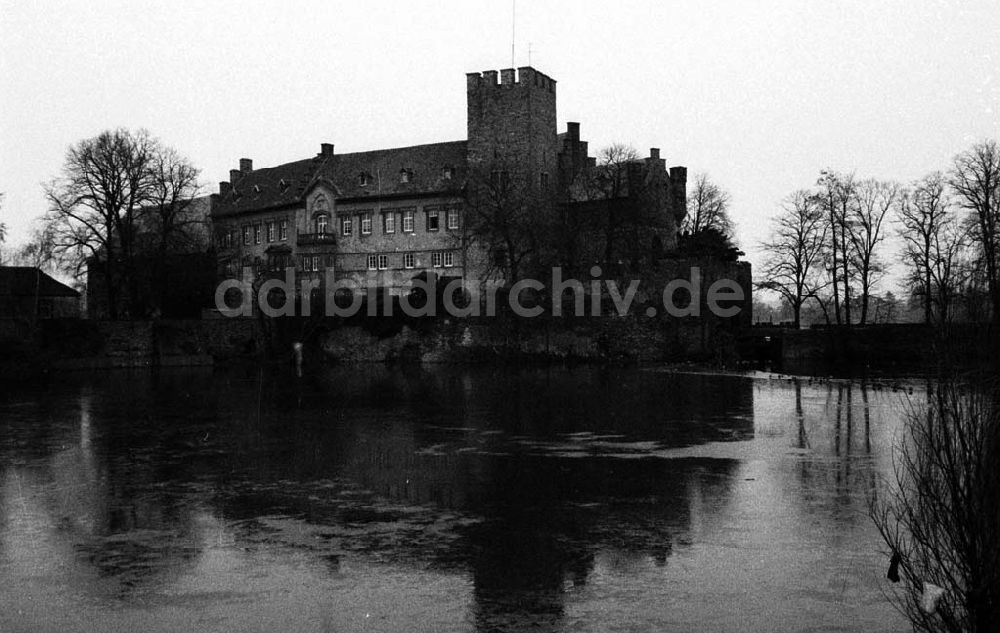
<point>305,239</point>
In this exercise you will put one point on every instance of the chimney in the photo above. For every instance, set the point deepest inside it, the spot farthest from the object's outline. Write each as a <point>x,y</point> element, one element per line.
<point>654,152</point>
<point>224,188</point>
<point>507,77</point>
<point>246,165</point>
<point>234,175</point>
<point>573,130</point>
<point>490,77</point>
<point>326,149</point>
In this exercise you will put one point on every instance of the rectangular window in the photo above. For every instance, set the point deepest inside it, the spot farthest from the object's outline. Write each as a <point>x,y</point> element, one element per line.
<point>283,230</point>
<point>316,262</point>
<point>346,226</point>
<point>256,233</point>
<point>436,260</point>
<point>270,231</point>
<point>433,220</point>
<point>452,218</point>
<point>408,260</point>
<point>449,259</point>
<point>366,224</point>
<point>246,235</point>
<point>408,221</point>
<point>372,262</point>
<point>230,237</point>
<point>383,262</point>
<point>389,222</point>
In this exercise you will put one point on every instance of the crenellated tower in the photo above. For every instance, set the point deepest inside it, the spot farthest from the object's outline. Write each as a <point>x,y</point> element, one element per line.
<point>512,125</point>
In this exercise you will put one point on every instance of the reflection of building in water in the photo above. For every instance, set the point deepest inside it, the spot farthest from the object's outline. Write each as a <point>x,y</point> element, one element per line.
<point>548,519</point>
<point>463,471</point>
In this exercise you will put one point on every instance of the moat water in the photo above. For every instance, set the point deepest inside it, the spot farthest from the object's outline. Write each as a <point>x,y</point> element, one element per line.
<point>370,498</point>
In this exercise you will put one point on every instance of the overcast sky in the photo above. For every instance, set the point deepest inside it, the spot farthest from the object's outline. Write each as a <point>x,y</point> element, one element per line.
<point>760,95</point>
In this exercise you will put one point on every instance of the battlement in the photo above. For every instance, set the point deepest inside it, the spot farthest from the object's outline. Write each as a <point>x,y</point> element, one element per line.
<point>523,77</point>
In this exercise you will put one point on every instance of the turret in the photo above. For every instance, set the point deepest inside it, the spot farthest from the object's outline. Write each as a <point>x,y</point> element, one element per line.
<point>512,122</point>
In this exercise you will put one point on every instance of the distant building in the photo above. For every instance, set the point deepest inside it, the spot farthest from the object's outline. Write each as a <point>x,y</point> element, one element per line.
<point>27,293</point>
<point>393,215</point>
<point>175,274</point>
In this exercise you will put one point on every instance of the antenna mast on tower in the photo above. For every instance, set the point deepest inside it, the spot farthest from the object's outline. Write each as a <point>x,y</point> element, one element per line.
<point>513,16</point>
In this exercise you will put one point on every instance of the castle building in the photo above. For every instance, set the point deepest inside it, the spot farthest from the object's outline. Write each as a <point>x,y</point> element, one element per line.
<point>391,215</point>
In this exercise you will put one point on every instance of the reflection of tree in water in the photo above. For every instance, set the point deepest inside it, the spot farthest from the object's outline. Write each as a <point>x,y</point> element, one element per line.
<point>840,448</point>
<point>103,492</point>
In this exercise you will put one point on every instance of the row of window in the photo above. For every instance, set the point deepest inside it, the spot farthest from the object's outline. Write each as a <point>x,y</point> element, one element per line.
<point>315,263</point>
<point>364,221</point>
<point>275,231</point>
<point>438,259</point>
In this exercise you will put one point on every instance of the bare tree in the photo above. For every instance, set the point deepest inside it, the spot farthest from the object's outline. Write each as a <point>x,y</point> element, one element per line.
<point>940,515</point>
<point>169,223</point>
<point>933,242</point>
<point>873,200</point>
<point>95,203</point>
<point>613,182</point>
<point>707,208</point>
<point>836,196</point>
<point>621,209</point>
<point>166,217</point>
<point>975,178</point>
<point>37,253</point>
<point>506,219</point>
<point>795,251</point>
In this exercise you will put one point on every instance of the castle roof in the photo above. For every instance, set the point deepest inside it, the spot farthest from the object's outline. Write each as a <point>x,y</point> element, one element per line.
<point>285,185</point>
<point>19,281</point>
<point>268,188</point>
<point>425,167</point>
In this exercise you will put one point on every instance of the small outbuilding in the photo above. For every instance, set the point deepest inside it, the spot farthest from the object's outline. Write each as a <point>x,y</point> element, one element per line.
<point>28,293</point>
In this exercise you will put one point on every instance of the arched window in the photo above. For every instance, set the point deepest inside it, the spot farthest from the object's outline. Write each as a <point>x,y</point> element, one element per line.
<point>322,221</point>
<point>319,204</point>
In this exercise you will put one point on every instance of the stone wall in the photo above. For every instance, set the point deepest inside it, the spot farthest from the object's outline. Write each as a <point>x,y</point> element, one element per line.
<point>626,339</point>
<point>909,347</point>
<point>78,343</point>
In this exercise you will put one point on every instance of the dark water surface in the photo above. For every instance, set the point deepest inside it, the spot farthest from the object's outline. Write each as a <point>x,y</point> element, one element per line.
<point>367,498</point>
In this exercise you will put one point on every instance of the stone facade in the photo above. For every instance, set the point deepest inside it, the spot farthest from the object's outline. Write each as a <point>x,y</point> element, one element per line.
<point>386,217</point>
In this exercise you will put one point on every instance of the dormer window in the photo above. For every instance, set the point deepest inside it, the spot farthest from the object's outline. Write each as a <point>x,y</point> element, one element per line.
<point>363,179</point>
<point>405,175</point>
<point>446,172</point>
<point>236,194</point>
<point>284,185</point>
<point>256,190</point>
